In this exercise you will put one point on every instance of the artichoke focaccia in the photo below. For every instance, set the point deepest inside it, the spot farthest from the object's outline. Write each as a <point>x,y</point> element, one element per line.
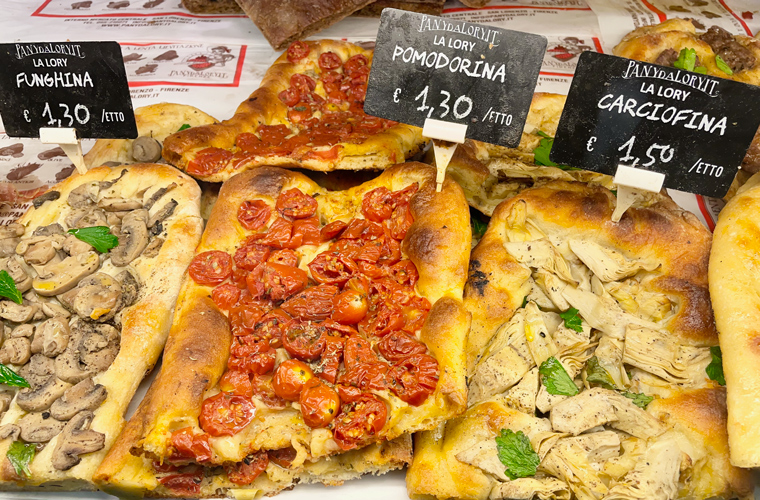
<point>734,278</point>
<point>720,53</point>
<point>312,323</point>
<point>308,113</point>
<point>489,174</point>
<point>93,320</point>
<point>586,359</point>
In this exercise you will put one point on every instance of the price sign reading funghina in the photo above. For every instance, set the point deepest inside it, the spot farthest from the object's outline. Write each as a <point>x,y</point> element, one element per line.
<point>469,74</point>
<point>76,85</point>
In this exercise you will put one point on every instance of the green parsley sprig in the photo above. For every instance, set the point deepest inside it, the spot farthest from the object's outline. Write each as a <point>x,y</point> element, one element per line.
<point>555,378</point>
<point>99,237</point>
<point>8,288</point>
<point>715,369</point>
<point>517,454</point>
<point>20,455</point>
<point>572,319</point>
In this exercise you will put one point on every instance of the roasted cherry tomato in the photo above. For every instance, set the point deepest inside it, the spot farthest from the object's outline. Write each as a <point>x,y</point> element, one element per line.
<point>250,255</point>
<point>253,214</point>
<point>252,357</point>
<point>378,204</point>
<point>298,50</point>
<point>363,368</point>
<point>243,318</point>
<point>371,270</point>
<point>225,414</point>
<point>290,378</point>
<point>333,269</point>
<point>358,283</point>
<point>330,60</point>
<point>304,340</point>
<point>305,232</point>
<point>184,485</point>
<point>415,314</point>
<point>236,382</point>
<point>349,307</point>
<point>362,416</point>
<point>209,161</point>
<point>273,135</point>
<point>370,251</point>
<point>415,378</point>
<point>263,389</point>
<point>301,112</point>
<point>399,345</point>
<point>400,221</point>
<point>271,326</point>
<point>285,257</point>
<point>391,252</point>
<point>210,268</point>
<point>358,64</point>
<point>388,318</point>
<point>331,358</point>
<point>319,403</point>
<point>282,282</point>
<point>190,446</point>
<point>315,303</point>
<point>363,229</point>
<point>225,296</point>
<point>290,96</point>
<point>249,469</point>
<point>303,83</point>
<point>295,204</point>
<point>405,273</point>
<point>283,457</point>
<point>278,234</point>
<point>346,248</point>
<point>332,230</point>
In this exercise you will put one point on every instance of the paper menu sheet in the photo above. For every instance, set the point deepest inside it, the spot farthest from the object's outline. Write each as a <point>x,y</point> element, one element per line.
<point>214,62</point>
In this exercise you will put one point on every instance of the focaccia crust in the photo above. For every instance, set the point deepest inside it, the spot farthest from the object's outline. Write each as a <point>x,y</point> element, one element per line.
<point>264,107</point>
<point>144,325</point>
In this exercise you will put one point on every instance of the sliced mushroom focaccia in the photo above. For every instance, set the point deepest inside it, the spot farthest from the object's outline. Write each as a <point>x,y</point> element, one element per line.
<point>97,264</point>
<point>588,359</point>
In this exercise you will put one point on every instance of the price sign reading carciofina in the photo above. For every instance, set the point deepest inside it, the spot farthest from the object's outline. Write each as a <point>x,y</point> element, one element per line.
<point>431,67</point>
<point>79,85</point>
<point>692,127</point>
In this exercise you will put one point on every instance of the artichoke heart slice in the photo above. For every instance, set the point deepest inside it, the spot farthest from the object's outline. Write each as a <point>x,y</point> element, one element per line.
<point>608,264</point>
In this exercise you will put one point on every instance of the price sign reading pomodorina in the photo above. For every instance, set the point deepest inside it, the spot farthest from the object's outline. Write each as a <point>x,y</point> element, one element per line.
<point>692,127</point>
<point>80,85</point>
<point>453,71</point>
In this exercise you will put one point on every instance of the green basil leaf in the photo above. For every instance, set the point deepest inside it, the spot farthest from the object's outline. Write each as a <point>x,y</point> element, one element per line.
<point>99,237</point>
<point>517,455</point>
<point>9,377</point>
<point>721,64</point>
<point>715,369</point>
<point>639,399</point>
<point>479,223</point>
<point>525,302</point>
<point>8,288</point>
<point>597,375</point>
<point>20,455</point>
<point>687,59</point>
<point>572,319</point>
<point>184,126</point>
<point>555,378</point>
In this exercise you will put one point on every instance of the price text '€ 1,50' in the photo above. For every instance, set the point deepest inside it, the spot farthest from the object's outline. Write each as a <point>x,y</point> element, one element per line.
<point>444,105</point>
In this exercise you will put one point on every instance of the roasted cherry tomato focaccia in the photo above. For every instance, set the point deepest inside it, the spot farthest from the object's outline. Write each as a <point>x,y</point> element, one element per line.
<point>97,263</point>
<point>308,113</point>
<point>311,323</point>
<point>587,359</point>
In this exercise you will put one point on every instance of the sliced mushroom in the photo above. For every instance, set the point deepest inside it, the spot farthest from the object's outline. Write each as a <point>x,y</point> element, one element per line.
<point>11,231</point>
<point>153,247</point>
<point>83,195</point>
<point>51,309</point>
<point>76,439</point>
<point>17,271</point>
<point>40,253</point>
<point>160,192</point>
<point>107,184</point>
<point>15,351</point>
<point>17,313</point>
<point>38,371</point>
<point>146,149</point>
<point>49,196</point>
<point>63,276</point>
<point>41,398</point>
<point>92,348</point>
<point>130,288</point>
<point>113,204</point>
<point>48,230</point>
<point>133,238</point>
<point>96,297</point>
<point>5,401</point>
<point>114,218</point>
<point>25,330</point>
<point>73,245</point>
<point>39,427</point>
<point>86,395</point>
<point>10,431</point>
<point>51,337</point>
<point>91,218</point>
<point>8,247</point>
<point>156,222</point>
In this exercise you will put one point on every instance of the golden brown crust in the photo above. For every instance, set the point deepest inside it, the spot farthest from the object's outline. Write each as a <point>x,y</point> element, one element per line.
<point>145,325</point>
<point>379,151</point>
<point>157,121</point>
<point>734,278</point>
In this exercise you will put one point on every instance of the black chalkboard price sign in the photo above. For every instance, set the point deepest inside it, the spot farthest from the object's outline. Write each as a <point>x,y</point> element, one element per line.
<point>432,67</point>
<point>80,85</point>
<point>692,127</point>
